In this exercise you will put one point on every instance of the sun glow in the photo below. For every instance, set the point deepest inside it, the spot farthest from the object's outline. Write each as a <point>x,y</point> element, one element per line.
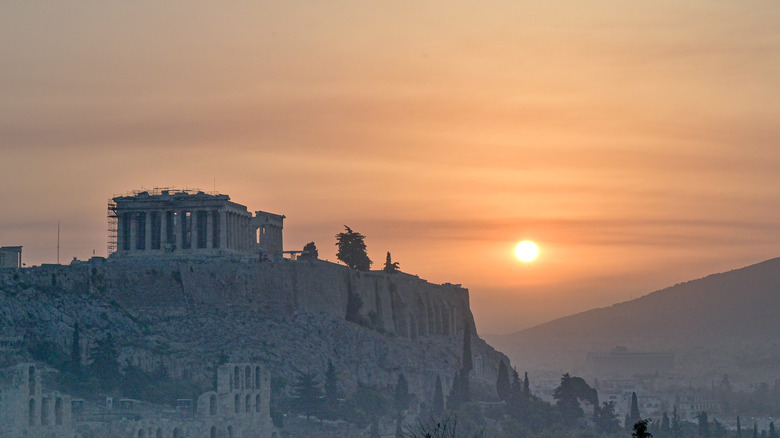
<point>526,251</point>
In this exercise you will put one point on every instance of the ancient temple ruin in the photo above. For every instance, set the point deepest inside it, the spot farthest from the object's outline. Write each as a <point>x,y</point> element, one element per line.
<point>182,222</point>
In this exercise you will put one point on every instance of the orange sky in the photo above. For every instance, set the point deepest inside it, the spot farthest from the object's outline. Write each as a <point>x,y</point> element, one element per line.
<point>636,142</point>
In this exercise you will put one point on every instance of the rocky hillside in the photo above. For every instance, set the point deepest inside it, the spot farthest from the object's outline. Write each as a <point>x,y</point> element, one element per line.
<point>723,323</point>
<point>290,316</point>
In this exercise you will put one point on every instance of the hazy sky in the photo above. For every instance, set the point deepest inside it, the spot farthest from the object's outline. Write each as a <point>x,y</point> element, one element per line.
<point>637,142</point>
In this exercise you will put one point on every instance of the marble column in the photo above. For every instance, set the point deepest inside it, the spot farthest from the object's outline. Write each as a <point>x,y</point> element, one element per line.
<point>148,231</point>
<point>133,231</point>
<point>209,229</point>
<point>223,229</point>
<point>177,230</point>
<point>163,229</point>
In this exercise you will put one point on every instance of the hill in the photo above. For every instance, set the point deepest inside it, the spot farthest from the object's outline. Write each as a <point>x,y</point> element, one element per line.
<point>290,316</point>
<point>723,323</point>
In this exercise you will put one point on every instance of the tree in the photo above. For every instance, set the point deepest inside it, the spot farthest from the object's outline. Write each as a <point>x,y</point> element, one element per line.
<point>665,424</point>
<point>739,428</point>
<point>526,387</point>
<point>467,361</point>
<point>772,432</point>
<point>308,393</point>
<point>75,351</point>
<point>352,250</point>
<point>437,406</point>
<point>460,393</point>
<point>704,426</point>
<point>105,361</point>
<point>331,390</point>
<point>391,267</point>
<point>675,423</point>
<point>309,252</point>
<point>633,415</point>
<point>605,418</point>
<point>568,395</point>
<point>640,430</point>
<point>400,401</point>
<point>502,382</point>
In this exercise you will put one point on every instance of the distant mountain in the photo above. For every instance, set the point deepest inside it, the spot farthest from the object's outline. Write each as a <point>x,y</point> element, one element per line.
<point>723,323</point>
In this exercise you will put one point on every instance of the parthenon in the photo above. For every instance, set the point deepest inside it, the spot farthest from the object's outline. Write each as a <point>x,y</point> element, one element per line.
<point>176,222</point>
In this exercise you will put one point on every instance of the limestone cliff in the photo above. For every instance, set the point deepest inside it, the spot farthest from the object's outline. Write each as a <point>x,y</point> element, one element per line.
<point>289,315</point>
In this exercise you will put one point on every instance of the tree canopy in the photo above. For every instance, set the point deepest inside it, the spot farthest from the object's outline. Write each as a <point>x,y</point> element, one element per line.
<point>352,249</point>
<point>390,266</point>
<point>309,252</point>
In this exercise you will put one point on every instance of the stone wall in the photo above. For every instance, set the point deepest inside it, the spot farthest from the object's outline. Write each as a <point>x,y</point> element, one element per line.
<point>289,315</point>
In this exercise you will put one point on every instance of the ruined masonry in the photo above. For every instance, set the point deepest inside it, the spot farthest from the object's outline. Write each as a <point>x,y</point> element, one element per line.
<point>179,222</point>
<point>238,408</point>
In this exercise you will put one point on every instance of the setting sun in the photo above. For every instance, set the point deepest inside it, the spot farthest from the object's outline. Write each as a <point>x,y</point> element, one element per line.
<point>526,251</point>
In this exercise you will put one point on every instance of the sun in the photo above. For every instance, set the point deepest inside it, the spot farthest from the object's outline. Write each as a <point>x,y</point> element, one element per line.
<point>526,251</point>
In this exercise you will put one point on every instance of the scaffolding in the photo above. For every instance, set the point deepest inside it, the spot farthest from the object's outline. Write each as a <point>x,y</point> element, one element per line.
<point>112,226</point>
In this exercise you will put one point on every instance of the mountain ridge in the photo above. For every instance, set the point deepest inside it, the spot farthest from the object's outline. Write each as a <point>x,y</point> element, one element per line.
<point>723,315</point>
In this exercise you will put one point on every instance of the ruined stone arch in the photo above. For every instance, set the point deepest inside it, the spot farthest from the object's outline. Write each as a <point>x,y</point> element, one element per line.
<point>58,411</point>
<point>236,377</point>
<point>45,411</point>
<point>230,431</point>
<point>237,403</point>
<point>31,412</point>
<point>141,433</point>
<point>176,433</point>
<point>159,433</point>
<point>213,432</point>
<point>257,403</point>
<point>31,380</point>
<point>248,403</point>
<point>257,377</point>
<point>247,377</point>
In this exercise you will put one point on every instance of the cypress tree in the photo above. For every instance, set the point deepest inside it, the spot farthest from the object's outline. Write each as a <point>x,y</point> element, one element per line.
<point>739,428</point>
<point>633,416</point>
<point>772,432</point>
<point>755,430</point>
<point>526,387</point>
<point>75,351</point>
<point>502,382</point>
<point>467,361</point>
<point>437,407</point>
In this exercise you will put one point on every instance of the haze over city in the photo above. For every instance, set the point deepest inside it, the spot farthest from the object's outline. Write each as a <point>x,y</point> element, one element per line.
<point>634,142</point>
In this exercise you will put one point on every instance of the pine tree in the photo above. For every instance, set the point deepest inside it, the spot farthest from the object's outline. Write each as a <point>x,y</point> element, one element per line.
<point>75,351</point>
<point>352,250</point>
<point>307,391</point>
<point>391,267</point>
<point>640,430</point>
<point>309,252</point>
<point>665,424</point>
<point>704,425</point>
<point>437,406</point>
<point>105,361</point>
<point>502,382</point>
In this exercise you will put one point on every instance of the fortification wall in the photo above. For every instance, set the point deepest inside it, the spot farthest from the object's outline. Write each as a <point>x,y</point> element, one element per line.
<point>399,304</point>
